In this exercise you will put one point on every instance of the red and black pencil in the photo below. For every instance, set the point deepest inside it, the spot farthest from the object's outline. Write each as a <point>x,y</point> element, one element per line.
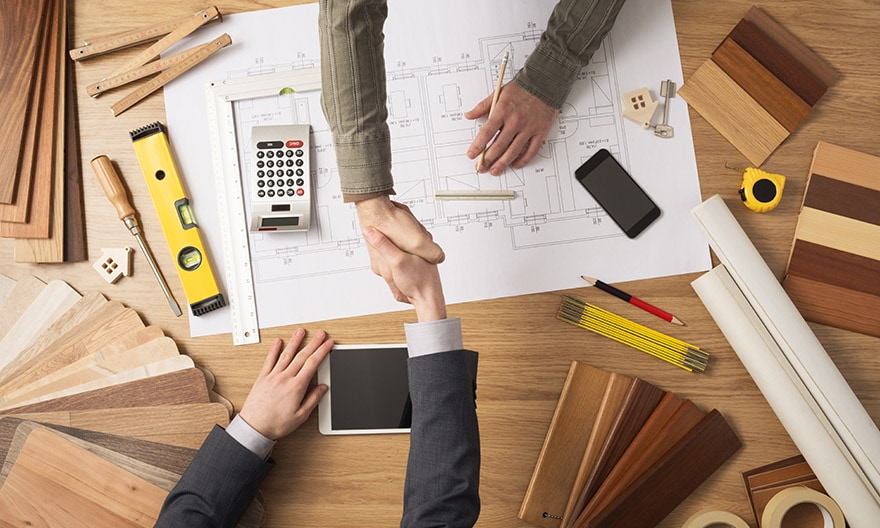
<point>666,316</point>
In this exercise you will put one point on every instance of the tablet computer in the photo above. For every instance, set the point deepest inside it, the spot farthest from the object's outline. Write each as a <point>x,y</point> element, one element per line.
<point>369,390</point>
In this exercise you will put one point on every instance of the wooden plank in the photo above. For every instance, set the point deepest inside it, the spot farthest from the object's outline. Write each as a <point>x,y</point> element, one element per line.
<point>110,323</point>
<point>843,199</point>
<point>150,370</point>
<point>37,225</point>
<point>612,401</point>
<point>673,477</point>
<point>47,307</point>
<point>168,457</point>
<point>96,366</point>
<point>641,401</point>
<point>17,302</point>
<point>567,436</point>
<point>78,485</point>
<point>174,388</point>
<point>161,478</point>
<point>670,422</point>
<point>846,165</point>
<point>839,232</point>
<point>813,63</point>
<point>778,61</point>
<point>733,112</point>
<point>772,94</point>
<point>17,210</point>
<point>51,247</point>
<point>78,313</point>
<point>6,287</point>
<point>121,451</point>
<point>848,271</point>
<point>75,248</point>
<point>21,21</point>
<point>834,306</point>
<point>184,425</point>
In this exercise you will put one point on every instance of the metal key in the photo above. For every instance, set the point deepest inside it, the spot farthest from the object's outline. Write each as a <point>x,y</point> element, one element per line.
<point>667,91</point>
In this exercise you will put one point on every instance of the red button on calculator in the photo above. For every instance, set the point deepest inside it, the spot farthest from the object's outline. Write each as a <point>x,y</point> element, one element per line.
<point>294,143</point>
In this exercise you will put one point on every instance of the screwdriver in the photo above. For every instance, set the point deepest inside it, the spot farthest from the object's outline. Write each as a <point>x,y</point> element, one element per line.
<point>115,191</point>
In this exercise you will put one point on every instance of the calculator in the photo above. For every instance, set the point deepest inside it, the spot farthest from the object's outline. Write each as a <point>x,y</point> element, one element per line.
<point>280,190</point>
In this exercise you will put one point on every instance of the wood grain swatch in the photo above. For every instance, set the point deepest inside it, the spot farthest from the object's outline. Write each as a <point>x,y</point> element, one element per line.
<point>765,88</point>
<point>185,386</point>
<point>615,396</point>
<point>108,324</point>
<point>780,63</point>
<point>75,248</point>
<point>567,436</point>
<point>668,425</point>
<point>671,479</point>
<point>20,22</point>
<point>759,71</point>
<point>78,313</point>
<point>807,58</point>
<point>641,401</point>
<point>39,215</point>
<point>184,425</point>
<point>82,484</point>
<point>832,270</point>
<point>96,366</point>
<point>17,302</point>
<point>733,112</point>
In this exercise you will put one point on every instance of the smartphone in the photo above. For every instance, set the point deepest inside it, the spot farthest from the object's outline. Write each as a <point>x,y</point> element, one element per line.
<point>615,190</point>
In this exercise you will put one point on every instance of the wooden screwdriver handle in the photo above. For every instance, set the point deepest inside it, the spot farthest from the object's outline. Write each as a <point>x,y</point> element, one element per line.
<point>112,185</point>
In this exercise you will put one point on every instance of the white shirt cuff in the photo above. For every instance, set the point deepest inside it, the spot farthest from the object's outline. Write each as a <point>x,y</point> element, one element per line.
<point>433,337</point>
<point>250,438</point>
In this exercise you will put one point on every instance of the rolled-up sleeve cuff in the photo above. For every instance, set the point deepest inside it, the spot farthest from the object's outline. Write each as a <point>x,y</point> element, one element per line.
<point>433,337</point>
<point>250,438</point>
<point>364,165</point>
<point>548,75</point>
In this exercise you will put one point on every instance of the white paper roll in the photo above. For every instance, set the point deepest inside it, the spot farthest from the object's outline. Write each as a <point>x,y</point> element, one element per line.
<point>799,413</point>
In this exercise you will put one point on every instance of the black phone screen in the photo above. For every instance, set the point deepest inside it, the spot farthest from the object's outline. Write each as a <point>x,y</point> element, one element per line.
<point>618,194</point>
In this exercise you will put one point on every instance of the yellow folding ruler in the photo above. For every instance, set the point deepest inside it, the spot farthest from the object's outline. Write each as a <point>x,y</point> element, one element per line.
<point>138,67</point>
<point>177,218</point>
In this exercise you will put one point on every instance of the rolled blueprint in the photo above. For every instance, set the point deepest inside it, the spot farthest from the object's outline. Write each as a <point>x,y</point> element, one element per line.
<point>807,366</point>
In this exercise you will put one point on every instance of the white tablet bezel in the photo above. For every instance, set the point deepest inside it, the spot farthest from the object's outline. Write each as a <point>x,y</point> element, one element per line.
<point>325,417</point>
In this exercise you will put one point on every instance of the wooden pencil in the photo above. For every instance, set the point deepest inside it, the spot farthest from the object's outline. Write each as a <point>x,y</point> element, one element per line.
<point>495,95</point>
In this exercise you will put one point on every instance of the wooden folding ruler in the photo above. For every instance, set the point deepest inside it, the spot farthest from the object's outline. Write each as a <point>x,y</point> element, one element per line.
<point>168,33</point>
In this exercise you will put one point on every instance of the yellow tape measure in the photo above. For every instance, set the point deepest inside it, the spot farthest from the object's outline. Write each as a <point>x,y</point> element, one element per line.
<point>176,216</point>
<point>760,191</point>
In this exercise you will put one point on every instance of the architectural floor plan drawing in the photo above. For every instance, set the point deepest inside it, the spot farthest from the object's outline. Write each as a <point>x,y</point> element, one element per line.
<point>543,240</point>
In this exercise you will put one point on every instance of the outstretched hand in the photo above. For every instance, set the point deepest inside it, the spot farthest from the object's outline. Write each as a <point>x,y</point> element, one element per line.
<point>411,279</point>
<point>282,397</point>
<point>521,121</point>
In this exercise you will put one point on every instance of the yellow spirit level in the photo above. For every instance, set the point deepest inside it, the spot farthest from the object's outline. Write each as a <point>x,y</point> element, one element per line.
<point>176,215</point>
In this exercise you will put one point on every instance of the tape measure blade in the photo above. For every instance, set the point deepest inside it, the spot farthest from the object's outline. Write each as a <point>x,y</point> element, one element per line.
<point>233,225</point>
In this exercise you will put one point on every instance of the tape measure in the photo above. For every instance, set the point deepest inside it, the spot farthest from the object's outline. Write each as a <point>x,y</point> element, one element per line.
<point>177,219</point>
<point>761,191</point>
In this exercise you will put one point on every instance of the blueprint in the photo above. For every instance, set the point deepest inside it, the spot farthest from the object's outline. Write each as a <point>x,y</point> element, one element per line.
<point>441,59</point>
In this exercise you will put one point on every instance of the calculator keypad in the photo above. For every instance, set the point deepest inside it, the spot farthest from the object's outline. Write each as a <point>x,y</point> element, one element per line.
<point>280,168</point>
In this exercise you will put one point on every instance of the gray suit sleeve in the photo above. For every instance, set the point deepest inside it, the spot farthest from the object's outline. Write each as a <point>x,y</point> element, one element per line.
<point>217,487</point>
<point>443,471</point>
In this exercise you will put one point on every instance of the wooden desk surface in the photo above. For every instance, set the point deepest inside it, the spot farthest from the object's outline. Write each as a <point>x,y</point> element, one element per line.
<point>525,351</point>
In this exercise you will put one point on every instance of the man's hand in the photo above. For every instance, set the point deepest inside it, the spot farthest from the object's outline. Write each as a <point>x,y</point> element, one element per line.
<point>411,279</point>
<point>401,226</point>
<point>282,398</point>
<point>521,121</point>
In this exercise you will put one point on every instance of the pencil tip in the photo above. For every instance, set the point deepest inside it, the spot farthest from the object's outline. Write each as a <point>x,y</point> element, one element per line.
<point>677,321</point>
<point>591,280</point>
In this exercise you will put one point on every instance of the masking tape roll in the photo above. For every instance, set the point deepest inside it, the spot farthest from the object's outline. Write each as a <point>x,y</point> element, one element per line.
<point>707,518</point>
<point>788,498</point>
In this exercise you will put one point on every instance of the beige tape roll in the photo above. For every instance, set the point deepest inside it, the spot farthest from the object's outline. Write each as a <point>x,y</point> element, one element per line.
<point>706,518</point>
<point>788,498</point>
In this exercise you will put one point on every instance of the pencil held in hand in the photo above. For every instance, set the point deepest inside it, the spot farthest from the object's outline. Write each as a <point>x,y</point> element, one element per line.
<point>494,101</point>
<point>607,288</point>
